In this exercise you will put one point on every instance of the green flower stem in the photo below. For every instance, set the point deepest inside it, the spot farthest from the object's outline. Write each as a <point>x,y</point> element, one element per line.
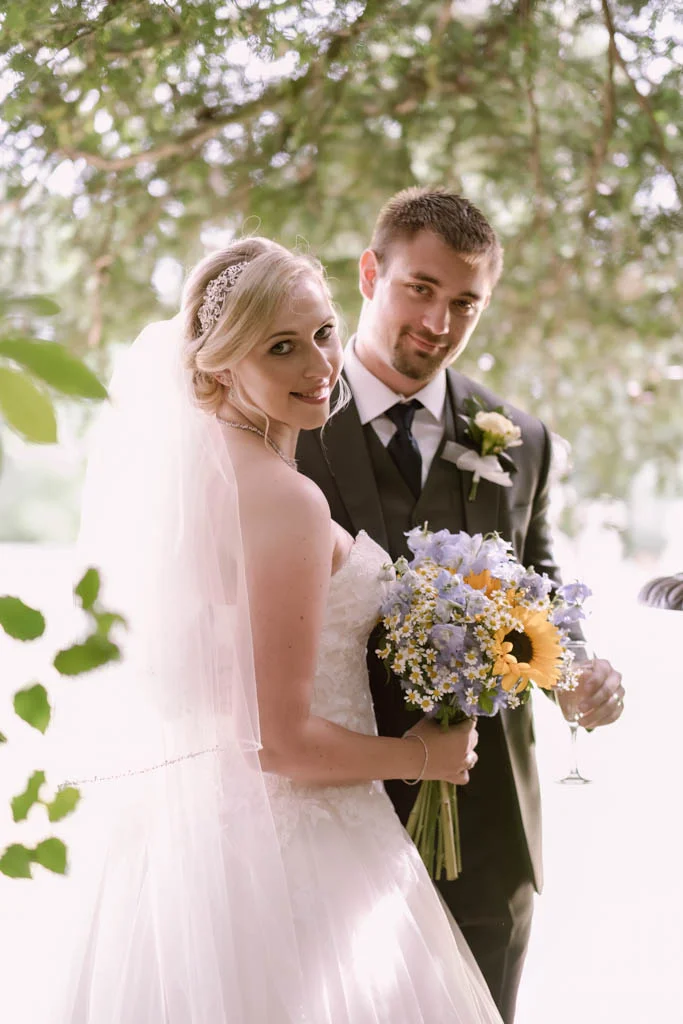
<point>415,818</point>
<point>432,830</point>
<point>433,826</point>
<point>450,830</point>
<point>473,488</point>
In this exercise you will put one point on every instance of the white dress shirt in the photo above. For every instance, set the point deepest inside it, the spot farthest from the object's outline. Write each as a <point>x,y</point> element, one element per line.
<point>373,398</point>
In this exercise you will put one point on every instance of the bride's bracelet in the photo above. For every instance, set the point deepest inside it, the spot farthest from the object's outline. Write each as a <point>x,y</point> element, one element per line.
<point>416,736</point>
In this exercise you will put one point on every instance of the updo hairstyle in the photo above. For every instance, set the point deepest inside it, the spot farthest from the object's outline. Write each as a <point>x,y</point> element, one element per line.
<point>250,307</point>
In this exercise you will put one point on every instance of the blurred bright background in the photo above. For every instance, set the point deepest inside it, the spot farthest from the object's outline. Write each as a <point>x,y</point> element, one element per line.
<point>137,136</point>
<point>607,941</point>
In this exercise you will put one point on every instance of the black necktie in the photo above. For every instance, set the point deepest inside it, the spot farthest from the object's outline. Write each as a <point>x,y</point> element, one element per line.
<point>403,446</point>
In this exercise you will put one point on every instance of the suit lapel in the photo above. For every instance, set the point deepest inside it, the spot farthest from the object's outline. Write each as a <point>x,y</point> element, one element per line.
<point>482,514</point>
<point>343,442</point>
<point>345,448</point>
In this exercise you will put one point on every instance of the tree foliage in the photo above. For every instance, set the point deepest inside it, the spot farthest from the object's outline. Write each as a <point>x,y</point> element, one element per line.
<point>32,705</point>
<point>26,366</point>
<point>136,132</point>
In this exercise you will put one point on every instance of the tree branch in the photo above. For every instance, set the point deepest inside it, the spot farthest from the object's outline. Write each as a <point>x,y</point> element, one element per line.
<point>602,142</point>
<point>185,143</point>
<point>110,13</point>
<point>189,141</point>
<point>99,277</point>
<point>540,205</point>
<point>101,271</point>
<point>662,148</point>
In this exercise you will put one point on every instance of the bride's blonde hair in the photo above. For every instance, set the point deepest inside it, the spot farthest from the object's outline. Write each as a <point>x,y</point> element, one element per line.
<point>249,307</point>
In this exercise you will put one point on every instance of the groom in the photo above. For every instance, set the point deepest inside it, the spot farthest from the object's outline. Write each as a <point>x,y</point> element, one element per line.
<point>384,465</point>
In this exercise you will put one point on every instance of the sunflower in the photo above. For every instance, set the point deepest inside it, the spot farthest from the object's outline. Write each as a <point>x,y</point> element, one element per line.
<point>530,655</point>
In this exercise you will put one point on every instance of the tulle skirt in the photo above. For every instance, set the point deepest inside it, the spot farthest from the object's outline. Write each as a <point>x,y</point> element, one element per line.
<point>371,940</point>
<point>377,943</point>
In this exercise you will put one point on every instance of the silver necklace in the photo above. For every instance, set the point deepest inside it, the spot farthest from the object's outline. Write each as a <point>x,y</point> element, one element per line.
<point>255,430</point>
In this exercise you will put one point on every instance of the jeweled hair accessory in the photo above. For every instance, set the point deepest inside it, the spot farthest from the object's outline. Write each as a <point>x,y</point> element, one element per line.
<point>214,295</point>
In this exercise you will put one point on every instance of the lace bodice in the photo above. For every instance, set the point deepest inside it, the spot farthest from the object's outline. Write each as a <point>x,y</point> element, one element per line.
<point>341,693</point>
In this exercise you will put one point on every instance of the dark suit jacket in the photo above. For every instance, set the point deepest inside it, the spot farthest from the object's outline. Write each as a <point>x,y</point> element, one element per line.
<point>338,461</point>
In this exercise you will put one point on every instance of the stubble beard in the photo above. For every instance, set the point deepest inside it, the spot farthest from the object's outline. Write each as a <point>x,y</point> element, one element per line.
<point>418,366</point>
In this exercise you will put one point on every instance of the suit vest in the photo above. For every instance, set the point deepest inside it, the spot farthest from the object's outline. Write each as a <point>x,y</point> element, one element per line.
<point>439,504</point>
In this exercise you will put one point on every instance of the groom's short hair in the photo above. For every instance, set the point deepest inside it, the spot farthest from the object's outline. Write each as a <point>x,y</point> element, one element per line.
<point>454,219</point>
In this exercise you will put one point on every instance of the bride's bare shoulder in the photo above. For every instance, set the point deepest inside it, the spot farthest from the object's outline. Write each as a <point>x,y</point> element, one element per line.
<point>285,505</point>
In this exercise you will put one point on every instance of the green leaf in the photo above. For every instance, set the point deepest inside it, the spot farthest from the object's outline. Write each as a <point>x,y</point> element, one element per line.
<point>96,651</point>
<point>16,862</point>
<point>23,803</point>
<point>55,365</point>
<point>64,803</point>
<point>88,589</point>
<point>105,621</point>
<point>19,620</point>
<point>33,706</point>
<point>3,738</point>
<point>51,853</point>
<point>25,408</point>
<point>39,305</point>
<point>473,405</point>
<point>486,703</point>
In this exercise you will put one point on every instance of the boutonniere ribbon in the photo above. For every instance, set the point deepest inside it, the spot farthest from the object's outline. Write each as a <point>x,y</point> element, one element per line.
<point>492,432</point>
<point>486,467</point>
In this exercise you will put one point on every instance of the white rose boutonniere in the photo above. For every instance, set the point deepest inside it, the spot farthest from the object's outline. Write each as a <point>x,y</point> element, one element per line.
<point>499,432</point>
<point>492,432</point>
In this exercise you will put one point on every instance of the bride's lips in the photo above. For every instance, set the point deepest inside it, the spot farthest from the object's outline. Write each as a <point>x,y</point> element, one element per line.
<point>424,346</point>
<point>316,397</point>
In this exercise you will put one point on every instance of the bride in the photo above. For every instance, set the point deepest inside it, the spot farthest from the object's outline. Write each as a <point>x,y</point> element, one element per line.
<point>248,867</point>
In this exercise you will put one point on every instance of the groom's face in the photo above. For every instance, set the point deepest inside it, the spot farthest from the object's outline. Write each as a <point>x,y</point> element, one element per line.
<point>422,305</point>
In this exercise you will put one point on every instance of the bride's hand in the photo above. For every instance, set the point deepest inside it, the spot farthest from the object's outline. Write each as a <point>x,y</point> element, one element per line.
<point>451,752</point>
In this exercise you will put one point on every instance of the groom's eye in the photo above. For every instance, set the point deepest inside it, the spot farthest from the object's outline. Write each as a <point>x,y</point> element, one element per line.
<point>465,306</point>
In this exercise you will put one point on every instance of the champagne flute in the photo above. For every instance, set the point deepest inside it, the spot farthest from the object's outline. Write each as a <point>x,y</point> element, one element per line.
<point>569,701</point>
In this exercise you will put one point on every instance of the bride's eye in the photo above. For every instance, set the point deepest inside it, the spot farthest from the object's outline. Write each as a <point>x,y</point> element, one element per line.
<point>281,348</point>
<point>324,333</point>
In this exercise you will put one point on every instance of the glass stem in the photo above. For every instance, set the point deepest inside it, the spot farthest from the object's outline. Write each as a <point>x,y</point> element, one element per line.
<point>574,730</point>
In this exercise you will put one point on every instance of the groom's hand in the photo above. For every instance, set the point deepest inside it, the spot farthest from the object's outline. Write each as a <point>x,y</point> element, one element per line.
<point>602,694</point>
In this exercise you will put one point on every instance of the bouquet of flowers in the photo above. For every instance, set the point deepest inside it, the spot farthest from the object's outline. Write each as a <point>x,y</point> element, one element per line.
<point>468,631</point>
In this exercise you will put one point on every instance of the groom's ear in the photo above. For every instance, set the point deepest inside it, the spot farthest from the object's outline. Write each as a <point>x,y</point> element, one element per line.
<point>369,272</point>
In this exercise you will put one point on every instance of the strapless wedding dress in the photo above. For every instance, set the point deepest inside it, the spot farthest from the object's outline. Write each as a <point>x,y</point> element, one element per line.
<point>369,935</point>
<point>376,944</point>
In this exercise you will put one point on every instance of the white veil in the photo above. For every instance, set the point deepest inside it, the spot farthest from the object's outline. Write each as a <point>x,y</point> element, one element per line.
<point>188,865</point>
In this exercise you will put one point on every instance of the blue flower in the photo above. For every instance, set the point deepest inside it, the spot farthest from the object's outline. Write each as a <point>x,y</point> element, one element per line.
<point>574,593</point>
<point>534,586</point>
<point>442,610</point>
<point>564,616</point>
<point>477,602</point>
<point>497,547</point>
<point>448,639</point>
<point>422,543</point>
<point>452,588</point>
<point>454,550</point>
<point>492,553</point>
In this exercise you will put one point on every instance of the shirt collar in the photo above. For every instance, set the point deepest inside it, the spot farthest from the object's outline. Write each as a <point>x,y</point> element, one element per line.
<point>373,398</point>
